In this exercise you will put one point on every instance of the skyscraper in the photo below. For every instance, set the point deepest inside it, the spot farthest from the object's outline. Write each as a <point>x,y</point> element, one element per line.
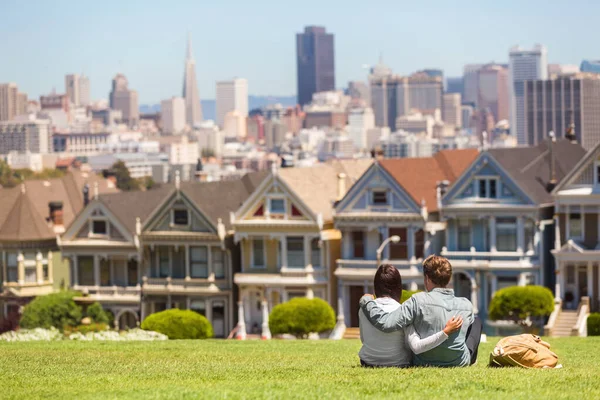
<point>193,110</point>
<point>84,91</point>
<point>452,113</point>
<point>231,95</point>
<point>8,101</point>
<point>492,90</point>
<point>523,65</point>
<point>124,100</point>
<point>555,104</point>
<point>471,84</point>
<point>315,62</point>
<point>172,113</point>
<point>72,88</point>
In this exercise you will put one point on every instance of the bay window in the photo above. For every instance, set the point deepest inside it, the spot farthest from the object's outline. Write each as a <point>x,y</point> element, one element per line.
<point>199,262</point>
<point>464,234</point>
<point>506,234</point>
<point>295,251</point>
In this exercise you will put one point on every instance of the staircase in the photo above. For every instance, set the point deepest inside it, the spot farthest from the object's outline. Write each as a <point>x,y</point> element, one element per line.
<point>564,323</point>
<point>352,333</point>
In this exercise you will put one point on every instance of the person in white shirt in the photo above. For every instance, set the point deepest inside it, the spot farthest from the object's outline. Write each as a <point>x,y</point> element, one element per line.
<point>395,349</point>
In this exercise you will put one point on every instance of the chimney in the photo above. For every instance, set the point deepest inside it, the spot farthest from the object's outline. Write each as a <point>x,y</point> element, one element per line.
<point>552,181</point>
<point>86,194</point>
<point>56,213</point>
<point>341,186</point>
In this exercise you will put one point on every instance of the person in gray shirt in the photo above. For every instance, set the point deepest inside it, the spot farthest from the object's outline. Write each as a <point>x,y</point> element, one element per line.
<point>428,313</point>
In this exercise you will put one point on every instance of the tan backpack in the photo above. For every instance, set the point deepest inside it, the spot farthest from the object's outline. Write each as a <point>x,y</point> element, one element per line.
<point>526,351</point>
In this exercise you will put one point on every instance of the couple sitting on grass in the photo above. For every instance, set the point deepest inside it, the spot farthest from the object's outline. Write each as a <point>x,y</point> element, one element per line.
<point>432,328</point>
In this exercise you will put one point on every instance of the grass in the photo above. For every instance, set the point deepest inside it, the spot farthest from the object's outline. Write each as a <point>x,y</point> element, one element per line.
<point>275,369</point>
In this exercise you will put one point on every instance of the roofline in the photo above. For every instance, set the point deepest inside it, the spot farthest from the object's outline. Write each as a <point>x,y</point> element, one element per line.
<point>566,180</point>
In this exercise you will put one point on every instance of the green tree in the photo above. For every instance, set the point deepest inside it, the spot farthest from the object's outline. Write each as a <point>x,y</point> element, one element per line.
<point>179,324</point>
<point>207,153</point>
<point>301,316</point>
<point>57,309</point>
<point>97,314</point>
<point>7,176</point>
<point>124,180</point>
<point>519,303</point>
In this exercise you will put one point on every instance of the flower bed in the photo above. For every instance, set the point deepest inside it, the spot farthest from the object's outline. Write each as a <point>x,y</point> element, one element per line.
<point>40,334</point>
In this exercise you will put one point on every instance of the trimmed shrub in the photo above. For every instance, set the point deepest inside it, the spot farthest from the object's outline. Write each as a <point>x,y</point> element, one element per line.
<point>53,310</point>
<point>83,329</point>
<point>301,316</point>
<point>179,324</point>
<point>97,314</point>
<point>517,303</point>
<point>406,294</point>
<point>593,324</point>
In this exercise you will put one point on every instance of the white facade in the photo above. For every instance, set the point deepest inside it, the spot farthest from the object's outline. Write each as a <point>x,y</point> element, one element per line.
<point>523,65</point>
<point>231,96</point>
<point>25,136</point>
<point>80,144</point>
<point>173,115</point>
<point>451,112</point>
<point>210,138</point>
<point>33,161</point>
<point>416,123</point>
<point>85,98</point>
<point>77,89</point>
<point>360,120</point>
<point>184,152</point>
<point>234,125</point>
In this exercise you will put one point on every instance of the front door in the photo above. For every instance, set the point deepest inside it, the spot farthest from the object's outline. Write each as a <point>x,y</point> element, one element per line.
<point>356,292</point>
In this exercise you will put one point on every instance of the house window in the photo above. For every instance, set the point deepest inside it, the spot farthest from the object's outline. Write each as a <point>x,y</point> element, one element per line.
<point>85,272</point>
<point>104,272</point>
<point>358,244</point>
<point>12,267</point>
<point>507,281</point>
<point>218,263</point>
<point>180,217</point>
<point>506,234</point>
<point>575,228</point>
<point>419,243</point>
<point>258,253</point>
<point>315,253</point>
<point>399,251</point>
<point>464,235</point>
<point>199,262</point>
<point>99,227</point>
<point>120,272</point>
<point>198,306</point>
<point>380,197</point>
<point>295,251</point>
<point>132,272</point>
<point>487,188</point>
<point>277,206</point>
<point>164,269</point>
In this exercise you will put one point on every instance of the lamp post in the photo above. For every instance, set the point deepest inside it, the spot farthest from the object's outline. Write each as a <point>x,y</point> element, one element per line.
<point>393,239</point>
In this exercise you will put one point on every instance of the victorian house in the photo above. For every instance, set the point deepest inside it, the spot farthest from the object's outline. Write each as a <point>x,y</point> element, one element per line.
<point>147,251</point>
<point>287,240</point>
<point>31,216</point>
<point>499,218</point>
<point>394,197</point>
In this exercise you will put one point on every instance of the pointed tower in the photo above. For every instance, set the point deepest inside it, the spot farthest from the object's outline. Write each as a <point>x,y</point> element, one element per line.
<point>193,110</point>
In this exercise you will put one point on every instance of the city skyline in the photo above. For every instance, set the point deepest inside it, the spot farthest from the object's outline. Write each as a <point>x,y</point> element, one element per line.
<point>151,58</point>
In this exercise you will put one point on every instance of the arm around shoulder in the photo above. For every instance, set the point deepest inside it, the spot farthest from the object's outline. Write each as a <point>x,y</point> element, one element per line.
<point>389,322</point>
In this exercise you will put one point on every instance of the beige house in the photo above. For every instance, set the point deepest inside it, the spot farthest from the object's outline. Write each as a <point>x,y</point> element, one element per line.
<point>286,236</point>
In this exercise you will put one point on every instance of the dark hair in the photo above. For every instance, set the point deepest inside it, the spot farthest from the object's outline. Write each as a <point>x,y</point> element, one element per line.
<point>438,270</point>
<point>388,282</point>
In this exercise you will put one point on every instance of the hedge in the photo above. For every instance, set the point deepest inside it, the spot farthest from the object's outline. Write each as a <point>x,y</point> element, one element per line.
<point>593,324</point>
<point>301,316</point>
<point>519,302</point>
<point>179,324</point>
<point>97,314</point>
<point>53,310</point>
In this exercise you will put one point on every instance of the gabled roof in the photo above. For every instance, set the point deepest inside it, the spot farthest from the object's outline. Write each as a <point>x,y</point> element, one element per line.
<point>23,222</point>
<point>530,166</point>
<point>584,162</point>
<point>419,176</point>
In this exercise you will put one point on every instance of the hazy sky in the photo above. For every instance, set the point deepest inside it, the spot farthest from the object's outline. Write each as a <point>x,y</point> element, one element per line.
<point>42,40</point>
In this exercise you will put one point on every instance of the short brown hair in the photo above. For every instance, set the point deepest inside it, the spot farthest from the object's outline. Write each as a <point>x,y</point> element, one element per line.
<point>388,282</point>
<point>438,270</point>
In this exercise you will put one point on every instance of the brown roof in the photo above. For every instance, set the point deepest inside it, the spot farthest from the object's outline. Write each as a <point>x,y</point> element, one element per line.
<point>419,176</point>
<point>24,210</point>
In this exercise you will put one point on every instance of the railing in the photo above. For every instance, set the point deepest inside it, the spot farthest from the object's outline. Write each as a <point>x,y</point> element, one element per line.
<point>30,288</point>
<point>475,256</point>
<point>583,311</point>
<point>169,284</point>
<point>549,327</point>
<point>372,264</point>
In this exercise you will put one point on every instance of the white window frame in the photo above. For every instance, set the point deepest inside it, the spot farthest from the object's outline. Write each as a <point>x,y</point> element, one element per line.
<point>570,210</point>
<point>91,233</point>
<point>285,205</point>
<point>264,246</point>
<point>189,217</point>
<point>487,180</point>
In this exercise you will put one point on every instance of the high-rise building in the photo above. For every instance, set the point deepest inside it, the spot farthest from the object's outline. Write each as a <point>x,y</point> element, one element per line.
<point>25,136</point>
<point>72,88</point>
<point>555,104</point>
<point>85,98</point>
<point>424,93</point>
<point>590,66</point>
<point>492,90</point>
<point>466,115</point>
<point>359,92</point>
<point>454,84</point>
<point>8,101</point>
<point>523,65</point>
<point>315,62</point>
<point>193,109</point>
<point>172,113</point>
<point>470,92</point>
<point>451,112</point>
<point>234,125</point>
<point>360,120</point>
<point>22,104</point>
<point>232,96</point>
<point>124,100</point>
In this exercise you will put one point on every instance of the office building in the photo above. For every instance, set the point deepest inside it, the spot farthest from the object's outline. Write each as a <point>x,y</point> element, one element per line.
<point>360,121</point>
<point>85,98</point>
<point>359,93</point>
<point>231,96</point>
<point>451,112</point>
<point>12,103</point>
<point>562,69</point>
<point>172,113</point>
<point>454,85</point>
<point>492,90</point>
<point>555,104</point>
<point>124,100</point>
<point>590,66</point>
<point>467,111</point>
<point>234,125</point>
<point>524,65</point>
<point>77,89</point>
<point>31,136</point>
<point>315,62</point>
<point>470,92</point>
<point>193,108</point>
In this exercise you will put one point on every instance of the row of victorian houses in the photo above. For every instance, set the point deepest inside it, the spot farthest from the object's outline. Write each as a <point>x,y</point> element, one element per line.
<point>229,249</point>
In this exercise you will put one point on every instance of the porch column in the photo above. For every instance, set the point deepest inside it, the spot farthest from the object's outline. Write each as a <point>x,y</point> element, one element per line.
<point>309,293</point>
<point>143,311</point>
<point>520,235</point>
<point>211,271</point>
<point>187,262</point>
<point>411,243</point>
<point>307,251</point>
<point>208,310</point>
<point>170,262</point>
<point>492,228</point>
<point>385,233</point>
<point>522,279</point>
<point>427,244</point>
<point>4,271</point>
<point>39,269</point>
<point>75,266</point>
<point>188,302</point>
<point>269,297</point>
<point>266,332</point>
<point>283,251</point>
<point>474,296</point>
<point>346,244</point>
<point>590,281</point>
<point>241,325</point>
<point>494,285</point>
<point>96,270</point>
<point>340,325</point>
<point>169,302</point>
<point>21,268</point>
<point>561,280</point>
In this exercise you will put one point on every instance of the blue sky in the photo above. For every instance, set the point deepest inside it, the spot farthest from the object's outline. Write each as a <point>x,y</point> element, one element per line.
<point>41,41</point>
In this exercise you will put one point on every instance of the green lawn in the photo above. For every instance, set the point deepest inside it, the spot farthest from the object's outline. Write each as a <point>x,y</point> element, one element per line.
<point>275,369</point>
